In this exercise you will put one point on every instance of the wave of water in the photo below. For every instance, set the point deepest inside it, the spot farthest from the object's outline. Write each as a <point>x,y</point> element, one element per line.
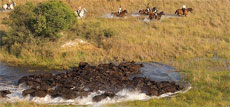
<point>124,95</point>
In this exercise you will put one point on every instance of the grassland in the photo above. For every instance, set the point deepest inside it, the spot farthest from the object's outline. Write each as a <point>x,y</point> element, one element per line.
<point>189,43</point>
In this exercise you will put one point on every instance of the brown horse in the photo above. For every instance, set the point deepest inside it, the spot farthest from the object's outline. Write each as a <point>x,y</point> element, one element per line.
<point>179,12</point>
<point>143,12</point>
<point>157,17</point>
<point>122,14</point>
<point>153,9</point>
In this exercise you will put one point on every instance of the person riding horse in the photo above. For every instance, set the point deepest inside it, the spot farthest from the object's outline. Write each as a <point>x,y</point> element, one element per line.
<point>123,13</point>
<point>183,9</point>
<point>148,8</point>
<point>79,11</point>
<point>119,11</point>
<point>155,11</point>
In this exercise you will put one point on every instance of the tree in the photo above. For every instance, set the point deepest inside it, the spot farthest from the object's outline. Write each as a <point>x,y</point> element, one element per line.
<point>45,20</point>
<point>52,17</point>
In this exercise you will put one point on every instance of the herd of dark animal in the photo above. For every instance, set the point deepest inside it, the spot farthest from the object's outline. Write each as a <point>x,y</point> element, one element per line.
<point>85,79</point>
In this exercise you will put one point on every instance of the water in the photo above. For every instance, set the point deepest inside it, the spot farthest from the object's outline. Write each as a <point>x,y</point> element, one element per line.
<point>159,72</point>
<point>109,16</point>
<point>155,71</point>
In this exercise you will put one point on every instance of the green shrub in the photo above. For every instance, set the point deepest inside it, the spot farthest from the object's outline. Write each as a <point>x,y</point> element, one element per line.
<point>30,23</point>
<point>20,23</point>
<point>22,16</point>
<point>45,20</point>
<point>52,17</point>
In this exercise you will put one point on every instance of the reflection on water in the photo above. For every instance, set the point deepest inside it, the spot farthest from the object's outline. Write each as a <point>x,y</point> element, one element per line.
<point>159,72</point>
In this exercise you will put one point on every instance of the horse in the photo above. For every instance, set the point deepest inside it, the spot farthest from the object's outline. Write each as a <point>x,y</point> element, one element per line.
<point>9,6</point>
<point>5,6</point>
<point>143,12</point>
<point>12,5</point>
<point>179,12</point>
<point>153,9</point>
<point>122,14</point>
<point>81,14</point>
<point>157,17</point>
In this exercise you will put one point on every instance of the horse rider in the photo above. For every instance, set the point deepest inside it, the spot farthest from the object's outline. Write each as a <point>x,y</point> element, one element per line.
<point>119,11</point>
<point>183,9</point>
<point>14,3</point>
<point>148,8</point>
<point>8,5</point>
<point>79,11</point>
<point>155,11</point>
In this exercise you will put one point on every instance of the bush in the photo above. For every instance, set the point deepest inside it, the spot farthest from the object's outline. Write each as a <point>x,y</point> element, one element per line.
<point>20,23</point>
<point>45,20</point>
<point>30,23</point>
<point>52,17</point>
<point>22,16</point>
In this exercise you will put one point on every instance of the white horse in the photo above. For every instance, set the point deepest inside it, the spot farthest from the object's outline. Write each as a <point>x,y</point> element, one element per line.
<point>5,6</point>
<point>81,13</point>
<point>12,5</point>
<point>9,6</point>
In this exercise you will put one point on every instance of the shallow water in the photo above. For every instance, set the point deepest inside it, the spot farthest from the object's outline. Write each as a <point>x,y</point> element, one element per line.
<point>154,71</point>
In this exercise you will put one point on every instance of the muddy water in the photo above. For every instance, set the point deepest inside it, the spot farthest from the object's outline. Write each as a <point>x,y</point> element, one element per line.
<point>154,71</point>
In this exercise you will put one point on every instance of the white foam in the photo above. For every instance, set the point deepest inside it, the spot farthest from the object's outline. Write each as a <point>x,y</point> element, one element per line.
<point>124,95</point>
<point>135,14</point>
<point>109,16</point>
